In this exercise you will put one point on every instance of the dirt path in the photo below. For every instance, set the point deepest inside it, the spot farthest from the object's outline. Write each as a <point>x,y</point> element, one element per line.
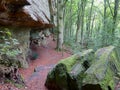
<point>48,57</point>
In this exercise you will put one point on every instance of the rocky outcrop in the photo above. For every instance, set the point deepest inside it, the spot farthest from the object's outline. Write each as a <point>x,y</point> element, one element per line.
<point>93,72</point>
<point>22,16</point>
<point>25,13</point>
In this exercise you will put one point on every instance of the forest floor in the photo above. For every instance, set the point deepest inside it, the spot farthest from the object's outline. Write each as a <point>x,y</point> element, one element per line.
<point>47,59</point>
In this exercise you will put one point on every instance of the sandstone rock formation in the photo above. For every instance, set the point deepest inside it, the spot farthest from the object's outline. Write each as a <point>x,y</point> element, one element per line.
<point>25,13</point>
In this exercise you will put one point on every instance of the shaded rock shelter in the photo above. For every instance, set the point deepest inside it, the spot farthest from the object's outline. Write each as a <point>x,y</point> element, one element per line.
<point>22,16</point>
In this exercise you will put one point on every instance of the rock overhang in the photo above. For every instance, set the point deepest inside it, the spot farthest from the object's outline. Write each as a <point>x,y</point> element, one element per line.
<point>25,13</point>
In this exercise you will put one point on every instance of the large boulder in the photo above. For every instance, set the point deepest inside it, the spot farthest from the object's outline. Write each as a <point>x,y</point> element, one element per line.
<point>103,71</point>
<point>86,71</point>
<point>61,77</point>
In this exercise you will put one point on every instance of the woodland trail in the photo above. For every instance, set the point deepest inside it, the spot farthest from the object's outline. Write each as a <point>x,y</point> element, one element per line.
<point>48,57</point>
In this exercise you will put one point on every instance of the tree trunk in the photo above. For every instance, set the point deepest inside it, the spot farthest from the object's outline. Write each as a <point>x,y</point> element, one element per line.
<point>60,24</point>
<point>92,25</point>
<point>78,22</point>
<point>71,23</point>
<point>89,20</point>
<point>51,13</point>
<point>104,24</point>
<point>116,6</point>
<point>83,5</point>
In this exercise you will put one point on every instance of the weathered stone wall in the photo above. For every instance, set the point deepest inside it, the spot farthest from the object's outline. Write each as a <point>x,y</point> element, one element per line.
<point>38,10</point>
<point>23,36</point>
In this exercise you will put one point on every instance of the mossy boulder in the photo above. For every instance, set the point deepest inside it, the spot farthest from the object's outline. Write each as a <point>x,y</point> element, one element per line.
<point>61,77</point>
<point>79,57</point>
<point>57,78</point>
<point>103,71</point>
<point>86,71</point>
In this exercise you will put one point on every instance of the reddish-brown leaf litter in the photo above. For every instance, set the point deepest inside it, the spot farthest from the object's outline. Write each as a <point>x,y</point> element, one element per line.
<point>36,74</point>
<point>48,57</point>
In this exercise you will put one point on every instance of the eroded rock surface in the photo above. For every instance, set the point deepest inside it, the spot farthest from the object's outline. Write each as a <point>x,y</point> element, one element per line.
<point>86,73</point>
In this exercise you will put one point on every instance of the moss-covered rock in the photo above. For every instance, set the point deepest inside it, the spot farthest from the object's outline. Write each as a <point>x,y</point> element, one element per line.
<point>79,57</point>
<point>57,78</point>
<point>86,71</point>
<point>104,70</point>
<point>61,77</point>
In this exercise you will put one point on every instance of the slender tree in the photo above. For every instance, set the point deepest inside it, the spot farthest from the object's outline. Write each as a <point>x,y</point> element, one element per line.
<point>116,6</point>
<point>78,22</point>
<point>60,24</point>
<point>89,20</point>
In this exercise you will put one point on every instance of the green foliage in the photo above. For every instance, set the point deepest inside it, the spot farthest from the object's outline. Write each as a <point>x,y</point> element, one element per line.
<point>75,47</point>
<point>18,85</point>
<point>99,28</point>
<point>8,48</point>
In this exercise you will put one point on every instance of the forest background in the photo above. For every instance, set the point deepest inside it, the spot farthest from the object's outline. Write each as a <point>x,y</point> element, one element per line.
<point>83,24</point>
